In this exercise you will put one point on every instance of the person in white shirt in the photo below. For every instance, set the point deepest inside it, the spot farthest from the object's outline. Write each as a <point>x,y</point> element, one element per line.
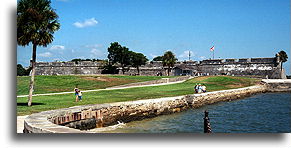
<point>203,88</point>
<point>79,95</point>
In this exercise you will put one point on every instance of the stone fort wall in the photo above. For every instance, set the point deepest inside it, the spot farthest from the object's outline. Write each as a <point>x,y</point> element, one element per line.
<point>256,67</point>
<point>260,67</point>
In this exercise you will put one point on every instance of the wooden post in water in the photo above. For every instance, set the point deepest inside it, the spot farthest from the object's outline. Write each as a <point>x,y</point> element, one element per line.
<point>207,127</point>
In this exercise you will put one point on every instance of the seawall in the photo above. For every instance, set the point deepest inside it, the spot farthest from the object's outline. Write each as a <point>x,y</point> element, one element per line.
<point>71,120</point>
<point>277,85</point>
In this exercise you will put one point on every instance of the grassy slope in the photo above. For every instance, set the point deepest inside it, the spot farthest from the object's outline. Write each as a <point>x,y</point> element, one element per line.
<point>42,103</point>
<point>52,84</point>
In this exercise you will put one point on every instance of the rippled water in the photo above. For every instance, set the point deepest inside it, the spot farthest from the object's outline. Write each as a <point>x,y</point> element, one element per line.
<point>262,113</point>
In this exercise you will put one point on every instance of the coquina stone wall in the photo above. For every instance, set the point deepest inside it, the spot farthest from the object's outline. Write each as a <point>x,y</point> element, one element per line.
<point>79,119</point>
<point>257,67</point>
<point>260,67</point>
<point>68,68</point>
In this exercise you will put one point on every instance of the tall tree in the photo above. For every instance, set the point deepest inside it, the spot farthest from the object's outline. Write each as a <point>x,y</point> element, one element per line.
<point>138,59</point>
<point>283,57</point>
<point>36,23</point>
<point>169,60</point>
<point>119,54</point>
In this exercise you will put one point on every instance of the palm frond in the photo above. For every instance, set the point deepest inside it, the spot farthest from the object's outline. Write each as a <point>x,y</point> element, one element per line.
<point>36,22</point>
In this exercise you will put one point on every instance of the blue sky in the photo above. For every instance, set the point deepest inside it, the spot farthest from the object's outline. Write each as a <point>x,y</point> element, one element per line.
<point>237,29</point>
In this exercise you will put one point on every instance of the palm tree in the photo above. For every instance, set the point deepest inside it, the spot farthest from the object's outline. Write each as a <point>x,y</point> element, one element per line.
<point>283,57</point>
<point>36,23</point>
<point>169,60</point>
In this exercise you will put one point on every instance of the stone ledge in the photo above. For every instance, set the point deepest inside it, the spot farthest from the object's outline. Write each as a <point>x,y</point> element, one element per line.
<point>278,85</point>
<point>276,80</point>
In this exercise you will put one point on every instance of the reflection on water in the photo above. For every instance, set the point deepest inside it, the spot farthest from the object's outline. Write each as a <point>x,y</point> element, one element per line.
<point>267,113</point>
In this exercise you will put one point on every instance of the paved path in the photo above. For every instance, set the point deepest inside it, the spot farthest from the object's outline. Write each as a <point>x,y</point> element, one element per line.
<point>60,93</point>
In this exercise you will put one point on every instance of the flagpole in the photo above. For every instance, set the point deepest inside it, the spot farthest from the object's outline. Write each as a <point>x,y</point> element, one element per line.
<point>212,49</point>
<point>189,55</point>
<point>213,55</point>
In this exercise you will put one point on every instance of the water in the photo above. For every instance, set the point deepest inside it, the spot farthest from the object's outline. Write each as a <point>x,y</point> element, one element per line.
<point>262,113</point>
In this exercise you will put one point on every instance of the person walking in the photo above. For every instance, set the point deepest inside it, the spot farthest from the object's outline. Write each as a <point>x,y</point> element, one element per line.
<point>79,95</point>
<point>76,93</point>
<point>196,88</point>
<point>203,88</point>
<point>200,88</point>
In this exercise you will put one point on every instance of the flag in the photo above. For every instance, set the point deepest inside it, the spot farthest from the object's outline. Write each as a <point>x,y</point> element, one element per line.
<point>212,48</point>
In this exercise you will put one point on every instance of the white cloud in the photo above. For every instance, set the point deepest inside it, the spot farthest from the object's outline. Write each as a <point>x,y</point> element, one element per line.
<point>94,46</point>
<point>56,59</point>
<point>185,54</point>
<point>45,54</point>
<point>95,53</point>
<point>202,57</point>
<point>86,23</point>
<point>57,47</point>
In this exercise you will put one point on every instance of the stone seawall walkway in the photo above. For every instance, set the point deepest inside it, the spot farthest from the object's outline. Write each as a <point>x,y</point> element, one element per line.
<point>277,80</point>
<point>278,85</point>
<point>110,113</point>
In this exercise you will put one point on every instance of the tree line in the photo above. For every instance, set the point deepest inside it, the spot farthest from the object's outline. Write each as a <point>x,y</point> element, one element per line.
<point>124,58</point>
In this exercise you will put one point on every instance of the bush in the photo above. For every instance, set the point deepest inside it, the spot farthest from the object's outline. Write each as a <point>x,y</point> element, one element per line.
<point>22,71</point>
<point>109,69</point>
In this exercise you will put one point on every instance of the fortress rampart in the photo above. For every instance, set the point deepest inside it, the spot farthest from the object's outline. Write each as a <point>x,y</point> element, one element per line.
<point>254,67</point>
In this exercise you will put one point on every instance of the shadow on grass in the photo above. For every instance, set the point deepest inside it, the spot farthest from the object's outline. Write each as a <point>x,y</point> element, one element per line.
<point>25,104</point>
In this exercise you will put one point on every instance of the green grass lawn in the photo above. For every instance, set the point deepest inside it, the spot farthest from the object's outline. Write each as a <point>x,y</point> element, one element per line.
<point>213,83</point>
<point>52,84</point>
